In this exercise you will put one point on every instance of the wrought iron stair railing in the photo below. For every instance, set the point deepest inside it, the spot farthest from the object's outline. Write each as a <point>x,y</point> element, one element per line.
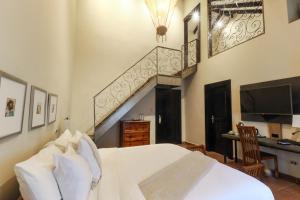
<point>191,53</point>
<point>160,61</point>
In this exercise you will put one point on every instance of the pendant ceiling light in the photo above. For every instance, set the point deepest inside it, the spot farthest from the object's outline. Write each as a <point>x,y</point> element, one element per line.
<point>161,12</point>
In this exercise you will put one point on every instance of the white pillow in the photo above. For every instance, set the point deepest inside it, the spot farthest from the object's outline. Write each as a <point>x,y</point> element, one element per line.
<point>75,139</point>
<point>46,154</point>
<point>35,176</point>
<point>88,150</point>
<point>63,140</point>
<point>73,175</point>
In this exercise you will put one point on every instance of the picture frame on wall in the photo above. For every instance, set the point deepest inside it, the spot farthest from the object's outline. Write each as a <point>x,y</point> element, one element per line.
<point>12,104</point>
<point>52,108</point>
<point>37,113</point>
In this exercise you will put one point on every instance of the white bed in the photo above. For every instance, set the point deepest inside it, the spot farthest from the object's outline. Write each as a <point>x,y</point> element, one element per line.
<point>124,168</point>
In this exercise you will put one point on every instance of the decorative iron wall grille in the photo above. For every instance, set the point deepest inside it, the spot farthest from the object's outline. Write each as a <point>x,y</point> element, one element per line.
<point>232,22</point>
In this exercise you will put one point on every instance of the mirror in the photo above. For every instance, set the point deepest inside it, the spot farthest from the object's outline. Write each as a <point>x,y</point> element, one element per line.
<point>192,25</point>
<point>233,22</point>
<point>192,28</point>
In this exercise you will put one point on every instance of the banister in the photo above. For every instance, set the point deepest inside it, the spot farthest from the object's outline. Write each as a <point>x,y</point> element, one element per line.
<point>135,65</point>
<point>125,71</point>
<point>190,49</point>
<point>154,63</point>
<point>192,41</point>
<point>168,48</point>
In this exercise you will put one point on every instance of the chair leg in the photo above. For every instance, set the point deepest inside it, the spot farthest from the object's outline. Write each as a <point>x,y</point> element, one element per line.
<point>255,170</point>
<point>276,167</point>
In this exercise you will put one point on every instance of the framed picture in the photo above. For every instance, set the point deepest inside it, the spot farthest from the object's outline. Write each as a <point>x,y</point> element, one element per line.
<point>12,103</point>
<point>37,114</point>
<point>52,108</point>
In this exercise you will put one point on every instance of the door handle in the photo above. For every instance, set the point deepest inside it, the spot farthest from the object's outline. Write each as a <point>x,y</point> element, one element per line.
<point>159,119</point>
<point>212,119</point>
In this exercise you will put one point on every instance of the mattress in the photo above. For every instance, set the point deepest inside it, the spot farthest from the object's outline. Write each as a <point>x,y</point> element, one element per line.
<point>124,168</point>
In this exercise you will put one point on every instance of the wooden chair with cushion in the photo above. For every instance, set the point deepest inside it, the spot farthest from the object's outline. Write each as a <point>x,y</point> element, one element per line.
<point>251,154</point>
<point>193,147</point>
<point>200,148</point>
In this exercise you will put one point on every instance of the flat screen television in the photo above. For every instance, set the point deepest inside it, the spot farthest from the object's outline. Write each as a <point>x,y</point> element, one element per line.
<point>276,100</point>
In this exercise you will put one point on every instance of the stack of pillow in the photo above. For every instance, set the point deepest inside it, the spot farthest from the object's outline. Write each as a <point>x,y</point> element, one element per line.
<point>67,168</point>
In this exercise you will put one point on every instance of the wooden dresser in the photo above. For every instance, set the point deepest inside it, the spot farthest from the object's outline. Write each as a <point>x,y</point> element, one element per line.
<point>135,133</point>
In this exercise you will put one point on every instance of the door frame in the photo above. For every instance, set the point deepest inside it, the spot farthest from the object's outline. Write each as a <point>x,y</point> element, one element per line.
<point>227,85</point>
<point>186,39</point>
<point>157,117</point>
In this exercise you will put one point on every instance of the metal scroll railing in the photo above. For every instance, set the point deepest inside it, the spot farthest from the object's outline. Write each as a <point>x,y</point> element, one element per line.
<point>191,53</point>
<point>159,61</point>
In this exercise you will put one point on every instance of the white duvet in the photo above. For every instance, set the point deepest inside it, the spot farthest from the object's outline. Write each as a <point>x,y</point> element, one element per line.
<point>124,168</point>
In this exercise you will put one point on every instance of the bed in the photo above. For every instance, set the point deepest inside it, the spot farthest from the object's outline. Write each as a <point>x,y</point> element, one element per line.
<point>124,168</point>
<point>71,167</point>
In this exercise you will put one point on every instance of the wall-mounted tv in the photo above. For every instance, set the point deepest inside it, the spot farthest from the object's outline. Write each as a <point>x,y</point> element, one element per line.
<point>274,100</point>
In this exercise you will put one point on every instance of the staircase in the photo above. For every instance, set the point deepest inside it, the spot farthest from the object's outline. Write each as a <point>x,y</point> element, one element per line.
<point>161,66</point>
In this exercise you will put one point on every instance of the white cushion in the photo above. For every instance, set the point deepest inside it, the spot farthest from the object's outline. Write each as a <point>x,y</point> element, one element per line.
<point>46,154</point>
<point>88,150</point>
<point>75,139</point>
<point>63,140</point>
<point>35,176</point>
<point>73,175</point>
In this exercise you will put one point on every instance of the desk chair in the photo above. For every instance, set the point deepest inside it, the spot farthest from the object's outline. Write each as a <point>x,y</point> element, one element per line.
<point>252,156</point>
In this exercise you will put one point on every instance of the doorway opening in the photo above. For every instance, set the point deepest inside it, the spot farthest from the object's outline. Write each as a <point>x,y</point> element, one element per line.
<point>168,115</point>
<point>218,117</point>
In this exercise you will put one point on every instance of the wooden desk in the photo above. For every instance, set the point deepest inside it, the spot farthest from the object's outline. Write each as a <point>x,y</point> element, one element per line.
<point>266,142</point>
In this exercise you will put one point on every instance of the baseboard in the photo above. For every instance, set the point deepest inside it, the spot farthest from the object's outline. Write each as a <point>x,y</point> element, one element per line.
<point>287,177</point>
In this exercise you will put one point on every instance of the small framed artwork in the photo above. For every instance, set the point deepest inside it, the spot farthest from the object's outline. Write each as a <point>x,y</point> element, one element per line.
<point>52,108</point>
<point>37,114</point>
<point>12,103</point>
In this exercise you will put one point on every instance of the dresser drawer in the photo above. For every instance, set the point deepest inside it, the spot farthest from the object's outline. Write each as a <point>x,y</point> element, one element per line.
<point>136,137</point>
<point>135,143</point>
<point>136,127</point>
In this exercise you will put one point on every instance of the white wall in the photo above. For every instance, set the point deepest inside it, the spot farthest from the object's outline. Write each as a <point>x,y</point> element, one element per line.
<point>271,56</point>
<point>111,36</point>
<point>36,46</point>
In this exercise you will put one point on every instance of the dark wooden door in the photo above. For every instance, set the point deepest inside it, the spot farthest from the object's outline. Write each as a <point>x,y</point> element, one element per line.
<point>218,116</point>
<point>168,116</point>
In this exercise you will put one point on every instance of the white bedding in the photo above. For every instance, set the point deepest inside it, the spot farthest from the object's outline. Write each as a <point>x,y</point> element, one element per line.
<point>124,168</point>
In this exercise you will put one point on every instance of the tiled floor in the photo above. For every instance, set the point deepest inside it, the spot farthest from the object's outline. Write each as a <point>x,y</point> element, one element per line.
<point>282,189</point>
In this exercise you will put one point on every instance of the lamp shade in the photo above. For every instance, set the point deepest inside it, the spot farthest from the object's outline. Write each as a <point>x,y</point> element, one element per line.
<point>161,12</point>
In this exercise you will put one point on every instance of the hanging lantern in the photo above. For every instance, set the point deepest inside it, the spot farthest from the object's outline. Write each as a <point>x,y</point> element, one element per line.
<point>161,12</point>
